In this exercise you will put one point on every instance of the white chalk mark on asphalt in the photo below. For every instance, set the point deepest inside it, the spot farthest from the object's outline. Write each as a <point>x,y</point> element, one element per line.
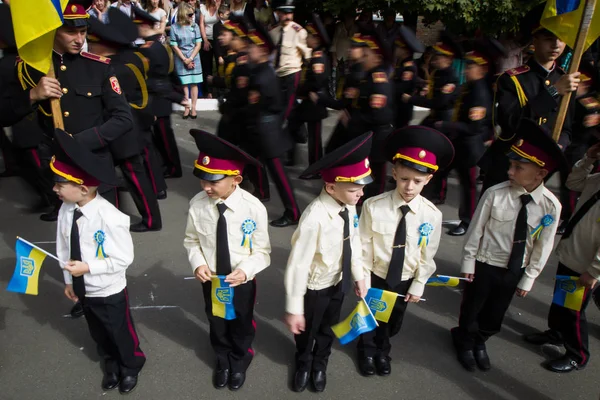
<point>152,296</point>
<point>152,307</point>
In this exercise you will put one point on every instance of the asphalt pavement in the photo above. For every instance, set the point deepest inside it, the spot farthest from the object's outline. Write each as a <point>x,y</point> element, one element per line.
<point>45,355</point>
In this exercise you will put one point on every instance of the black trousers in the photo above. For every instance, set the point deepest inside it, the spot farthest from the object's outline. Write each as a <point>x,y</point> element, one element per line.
<point>141,191</point>
<point>30,168</point>
<point>377,343</point>
<point>8,152</point>
<point>206,59</point>
<point>379,174</point>
<point>289,85</point>
<point>111,327</point>
<point>321,310</point>
<point>437,189</point>
<point>260,180</point>
<point>484,304</point>
<point>232,340</point>
<point>166,144</point>
<point>571,326</point>
<point>153,169</point>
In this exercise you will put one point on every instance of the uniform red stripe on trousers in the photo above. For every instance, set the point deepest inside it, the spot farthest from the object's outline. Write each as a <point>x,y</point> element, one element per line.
<point>578,330</point>
<point>163,133</point>
<point>473,191</point>
<point>136,182</point>
<point>150,173</point>
<point>36,158</point>
<point>293,96</point>
<point>286,186</point>
<point>136,341</point>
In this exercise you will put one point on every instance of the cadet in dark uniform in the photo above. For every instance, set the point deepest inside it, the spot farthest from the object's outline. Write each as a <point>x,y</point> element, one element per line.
<point>314,78</point>
<point>532,91</point>
<point>470,126</point>
<point>161,87</point>
<point>94,108</point>
<point>375,97</point>
<point>266,138</point>
<point>111,40</point>
<point>406,76</point>
<point>442,85</point>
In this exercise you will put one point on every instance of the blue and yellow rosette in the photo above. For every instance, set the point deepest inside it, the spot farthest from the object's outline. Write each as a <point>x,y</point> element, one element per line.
<point>356,220</point>
<point>547,220</point>
<point>425,230</point>
<point>248,228</point>
<point>99,237</point>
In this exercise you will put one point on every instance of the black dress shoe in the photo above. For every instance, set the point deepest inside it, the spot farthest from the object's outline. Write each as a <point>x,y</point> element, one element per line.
<point>482,359</point>
<point>540,338</point>
<point>367,366</point>
<point>382,364</point>
<point>467,360</point>
<point>110,381</point>
<point>236,380</point>
<point>300,381</point>
<point>563,365</point>
<point>460,230</point>
<point>50,217</point>
<point>312,177</point>
<point>221,378</point>
<point>77,310</point>
<point>140,227</point>
<point>319,379</point>
<point>8,173</point>
<point>161,195</point>
<point>128,383</point>
<point>438,202</point>
<point>283,222</point>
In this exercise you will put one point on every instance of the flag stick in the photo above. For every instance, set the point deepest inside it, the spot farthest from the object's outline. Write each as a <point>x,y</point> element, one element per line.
<point>452,277</point>
<point>368,308</point>
<point>193,277</point>
<point>57,117</point>
<point>42,250</point>
<point>401,295</point>
<point>584,28</point>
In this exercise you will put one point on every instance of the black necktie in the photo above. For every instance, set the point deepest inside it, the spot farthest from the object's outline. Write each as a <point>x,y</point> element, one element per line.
<point>579,214</point>
<point>78,282</point>
<point>394,275</point>
<point>346,253</point>
<point>278,55</point>
<point>223,256</point>
<point>515,262</point>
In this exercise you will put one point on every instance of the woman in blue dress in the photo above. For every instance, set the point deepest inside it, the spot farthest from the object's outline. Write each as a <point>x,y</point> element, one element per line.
<point>186,42</point>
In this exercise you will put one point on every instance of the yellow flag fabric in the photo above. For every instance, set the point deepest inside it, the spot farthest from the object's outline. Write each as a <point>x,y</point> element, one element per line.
<point>563,18</point>
<point>35,23</point>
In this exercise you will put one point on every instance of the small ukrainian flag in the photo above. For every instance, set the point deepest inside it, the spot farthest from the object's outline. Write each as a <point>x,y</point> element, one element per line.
<point>222,298</point>
<point>568,293</point>
<point>443,281</point>
<point>358,322</point>
<point>27,271</point>
<point>381,303</point>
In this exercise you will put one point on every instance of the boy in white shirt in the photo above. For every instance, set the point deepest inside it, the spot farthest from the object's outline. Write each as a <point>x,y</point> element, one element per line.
<point>94,236</point>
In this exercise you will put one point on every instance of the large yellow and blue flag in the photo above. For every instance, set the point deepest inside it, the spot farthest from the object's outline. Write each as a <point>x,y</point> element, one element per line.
<point>381,303</point>
<point>222,298</point>
<point>358,322</point>
<point>35,23</point>
<point>563,18</point>
<point>450,281</point>
<point>568,293</point>
<point>27,271</point>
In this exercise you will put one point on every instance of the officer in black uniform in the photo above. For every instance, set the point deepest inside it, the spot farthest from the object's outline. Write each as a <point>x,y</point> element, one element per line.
<point>112,40</point>
<point>406,77</point>
<point>442,85</point>
<point>470,126</point>
<point>531,91</point>
<point>161,83</point>
<point>93,106</point>
<point>314,78</point>
<point>266,137</point>
<point>375,102</point>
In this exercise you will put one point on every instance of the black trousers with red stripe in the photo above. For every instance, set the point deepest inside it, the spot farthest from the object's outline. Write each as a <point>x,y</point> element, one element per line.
<point>379,174</point>
<point>377,342</point>
<point>571,326</point>
<point>154,169</point>
<point>141,190</point>
<point>232,340</point>
<point>484,304</point>
<point>321,310</point>
<point>260,180</point>
<point>166,144</point>
<point>111,326</point>
<point>289,86</point>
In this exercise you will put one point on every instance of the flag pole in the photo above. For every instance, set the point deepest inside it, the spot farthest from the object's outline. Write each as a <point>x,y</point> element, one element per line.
<point>452,277</point>
<point>584,28</point>
<point>371,312</point>
<point>401,295</point>
<point>42,250</point>
<point>57,116</point>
